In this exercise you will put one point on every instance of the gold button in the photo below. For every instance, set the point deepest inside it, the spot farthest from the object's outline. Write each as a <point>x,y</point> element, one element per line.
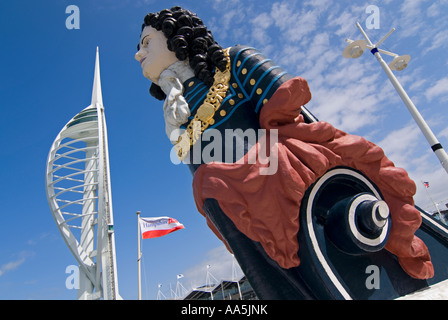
<point>259,91</point>
<point>238,63</point>
<point>265,100</point>
<point>235,85</point>
<point>244,71</point>
<point>222,113</point>
<point>232,102</point>
<point>191,84</point>
<point>252,82</point>
<point>240,95</point>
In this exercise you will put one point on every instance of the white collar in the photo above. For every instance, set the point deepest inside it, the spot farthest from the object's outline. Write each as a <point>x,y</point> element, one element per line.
<point>175,107</point>
<point>180,70</point>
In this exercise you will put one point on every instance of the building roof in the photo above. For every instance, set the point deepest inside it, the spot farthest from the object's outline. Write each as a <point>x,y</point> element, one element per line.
<point>225,290</point>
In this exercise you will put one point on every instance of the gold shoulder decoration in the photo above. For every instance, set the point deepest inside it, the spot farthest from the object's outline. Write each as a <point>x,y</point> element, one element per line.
<point>206,112</point>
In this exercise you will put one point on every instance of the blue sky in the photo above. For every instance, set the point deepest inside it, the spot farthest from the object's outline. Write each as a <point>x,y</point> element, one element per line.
<point>46,78</point>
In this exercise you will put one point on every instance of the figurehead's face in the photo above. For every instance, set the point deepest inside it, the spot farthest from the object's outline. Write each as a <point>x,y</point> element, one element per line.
<point>153,54</point>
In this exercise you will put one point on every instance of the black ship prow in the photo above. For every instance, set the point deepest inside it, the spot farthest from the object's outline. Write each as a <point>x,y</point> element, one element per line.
<point>336,265</point>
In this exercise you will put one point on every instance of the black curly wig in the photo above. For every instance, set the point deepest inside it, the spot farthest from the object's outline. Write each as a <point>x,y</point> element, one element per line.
<point>188,38</point>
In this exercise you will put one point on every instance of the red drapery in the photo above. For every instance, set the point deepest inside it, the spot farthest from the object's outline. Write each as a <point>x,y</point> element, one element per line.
<point>266,207</point>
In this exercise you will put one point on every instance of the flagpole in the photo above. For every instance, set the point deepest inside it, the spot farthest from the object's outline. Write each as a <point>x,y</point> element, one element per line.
<point>433,202</point>
<point>139,257</point>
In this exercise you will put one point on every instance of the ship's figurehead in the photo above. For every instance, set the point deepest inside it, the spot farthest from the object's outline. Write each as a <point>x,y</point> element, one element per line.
<point>306,208</point>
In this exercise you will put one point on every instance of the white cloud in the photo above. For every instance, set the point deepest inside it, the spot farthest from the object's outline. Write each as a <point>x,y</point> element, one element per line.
<point>319,46</point>
<point>291,55</point>
<point>344,21</point>
<point>438,90</point>
<point>348,94</point>
<point>232,13</point>
<point>417,84</point>
<point>12,265</point>
<point>295,24</point>
<point>260,24</point>
<point>400,144</point>
<point>411,19</point>
<point>282,15</point>
<point>262,21</point>
<point>444,133</point>
<point>433,10</point>
<point>439,40</point>
<point>319,4</point>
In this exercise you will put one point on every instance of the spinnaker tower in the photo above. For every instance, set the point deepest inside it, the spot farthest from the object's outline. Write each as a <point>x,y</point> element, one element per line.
<point>78,190</point>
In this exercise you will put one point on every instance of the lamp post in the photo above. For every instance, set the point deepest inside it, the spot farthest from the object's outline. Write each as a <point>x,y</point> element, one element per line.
<point>356,48</point>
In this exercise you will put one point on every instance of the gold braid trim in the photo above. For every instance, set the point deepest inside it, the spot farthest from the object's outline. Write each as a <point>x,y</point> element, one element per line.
<point>206,112</point>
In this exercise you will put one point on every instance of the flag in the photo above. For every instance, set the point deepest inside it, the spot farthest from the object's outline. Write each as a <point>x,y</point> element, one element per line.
<point>426,184</point>
<point>158,227</point>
